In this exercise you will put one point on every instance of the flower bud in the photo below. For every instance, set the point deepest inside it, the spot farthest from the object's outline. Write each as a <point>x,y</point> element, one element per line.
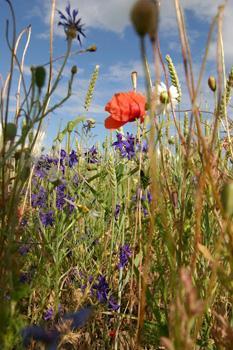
<point>145,17</point>
<point>11,131</point>
<point>74,70</point>
<point>212,83</point>
<point>164,98</point>
<point>40,75</point>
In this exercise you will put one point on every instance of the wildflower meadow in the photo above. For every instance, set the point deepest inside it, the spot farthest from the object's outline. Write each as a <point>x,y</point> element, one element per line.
<point>123,241</point>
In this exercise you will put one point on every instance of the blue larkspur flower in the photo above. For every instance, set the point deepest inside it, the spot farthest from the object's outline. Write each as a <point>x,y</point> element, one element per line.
<point>71,24</point>
<point>124,255</point>
<point>49,313</point>
<point>91,155</point>
<point>73,158</point>
<point>102,290</point>
<point>39,199</point>
<point>126,145</point>
<point>47,218</point>
<point>63,154</point>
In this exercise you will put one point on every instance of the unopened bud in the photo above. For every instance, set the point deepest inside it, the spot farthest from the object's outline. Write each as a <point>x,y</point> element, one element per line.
<point>212,83</point>
<point>40,75</point>
<point>145,17</point>
<point>74,70</point>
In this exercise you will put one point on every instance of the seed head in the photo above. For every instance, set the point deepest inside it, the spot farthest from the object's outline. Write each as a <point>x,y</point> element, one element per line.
<point>145,17</point>
<point>212,83</point>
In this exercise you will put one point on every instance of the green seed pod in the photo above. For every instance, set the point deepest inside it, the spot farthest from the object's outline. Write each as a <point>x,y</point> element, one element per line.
<point>212,83</point>
<point>40,75</point>
<point>164,98</point>
<point>227,198</point>
<point>74,70</point>
<point>70,126</point>
<point>11,131</point>
<point>145,17</point>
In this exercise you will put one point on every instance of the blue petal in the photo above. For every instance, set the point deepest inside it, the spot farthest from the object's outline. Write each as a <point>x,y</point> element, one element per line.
<point>39,334</point>
<point>75,12</point>
<point>68,10</point>
<point>79,318</point>
<point>62,16</point>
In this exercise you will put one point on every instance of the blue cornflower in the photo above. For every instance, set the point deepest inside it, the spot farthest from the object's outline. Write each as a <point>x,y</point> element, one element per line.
<point>73,158</point>
<point>124,255</point>
<point>47,218</point>
<point>72,25</point>
<point>91,155</point>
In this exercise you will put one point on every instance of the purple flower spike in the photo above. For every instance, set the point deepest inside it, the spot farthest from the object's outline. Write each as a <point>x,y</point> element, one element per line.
<point>124,255</point>
<point>47,219</point>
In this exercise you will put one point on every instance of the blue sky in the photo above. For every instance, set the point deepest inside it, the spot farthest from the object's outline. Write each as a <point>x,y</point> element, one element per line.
<point>107,26</point>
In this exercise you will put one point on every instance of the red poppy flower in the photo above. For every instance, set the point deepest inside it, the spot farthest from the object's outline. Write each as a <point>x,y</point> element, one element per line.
<point>124,107</point>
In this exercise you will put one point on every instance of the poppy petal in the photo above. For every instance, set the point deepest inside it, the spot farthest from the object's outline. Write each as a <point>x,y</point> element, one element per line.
<point>111,123</point>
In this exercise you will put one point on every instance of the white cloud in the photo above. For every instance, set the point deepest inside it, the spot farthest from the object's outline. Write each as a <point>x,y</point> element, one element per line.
<point>104,14</point>
<point>113,16</point>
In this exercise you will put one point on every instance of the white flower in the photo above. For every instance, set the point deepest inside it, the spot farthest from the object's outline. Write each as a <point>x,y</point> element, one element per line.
<point>162,98</point>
